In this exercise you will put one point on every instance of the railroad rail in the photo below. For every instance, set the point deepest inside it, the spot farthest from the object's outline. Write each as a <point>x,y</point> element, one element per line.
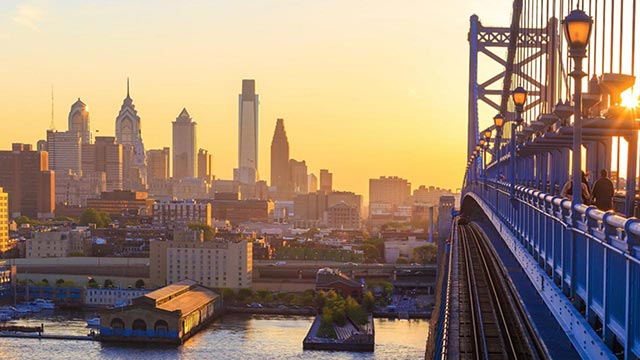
<point>492,323</point>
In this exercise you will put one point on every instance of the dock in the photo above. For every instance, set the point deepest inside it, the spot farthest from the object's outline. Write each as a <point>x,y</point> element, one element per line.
<point>46,336</point>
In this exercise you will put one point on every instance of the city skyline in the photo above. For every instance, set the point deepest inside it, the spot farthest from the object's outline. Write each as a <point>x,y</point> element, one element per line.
<point>361,100</point>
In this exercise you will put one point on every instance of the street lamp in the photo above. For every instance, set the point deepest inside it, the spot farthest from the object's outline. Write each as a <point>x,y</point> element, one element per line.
<point>577,31</point>
<point>519,96</point>
<point>498,121</point>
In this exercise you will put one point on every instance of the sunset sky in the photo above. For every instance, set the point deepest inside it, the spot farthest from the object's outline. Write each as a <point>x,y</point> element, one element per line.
<point>366,88</point>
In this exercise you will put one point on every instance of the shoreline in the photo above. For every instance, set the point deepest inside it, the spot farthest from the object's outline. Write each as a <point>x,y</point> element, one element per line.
<point>310,312</point>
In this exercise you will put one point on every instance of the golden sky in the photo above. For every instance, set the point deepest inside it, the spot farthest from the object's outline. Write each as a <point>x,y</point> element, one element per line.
<point>366,88</point>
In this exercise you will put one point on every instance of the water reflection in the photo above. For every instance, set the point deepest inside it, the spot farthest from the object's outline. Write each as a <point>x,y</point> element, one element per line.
<point>233,337</point>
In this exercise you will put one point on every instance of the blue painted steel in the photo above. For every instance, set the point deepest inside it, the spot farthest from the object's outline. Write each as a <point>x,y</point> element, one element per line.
<point>473,136</point>
<point>591,257</point>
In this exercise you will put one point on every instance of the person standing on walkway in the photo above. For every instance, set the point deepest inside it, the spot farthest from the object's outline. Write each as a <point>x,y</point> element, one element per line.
<point>567,189</point>
<point>602,192</point>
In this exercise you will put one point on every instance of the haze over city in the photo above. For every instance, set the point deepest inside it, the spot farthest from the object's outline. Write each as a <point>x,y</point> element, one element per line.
<point>361,88</point>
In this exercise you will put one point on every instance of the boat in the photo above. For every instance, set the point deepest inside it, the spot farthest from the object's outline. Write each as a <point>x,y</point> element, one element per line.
<point>5,316</point>
<point>22,310</point>
<point>44,304</point>
<point>93,322</point>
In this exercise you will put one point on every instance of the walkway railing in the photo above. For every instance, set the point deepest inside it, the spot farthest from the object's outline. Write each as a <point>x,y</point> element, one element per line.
<point>592,257</point>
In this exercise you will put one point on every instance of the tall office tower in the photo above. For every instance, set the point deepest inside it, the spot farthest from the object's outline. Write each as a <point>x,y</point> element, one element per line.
<point>129,134</point>
<point>104,156</point>
<point>184,146</point>
<point>312,183</point>
<point>247,171</point>
<point>326,181</point>
<point>65,159</point>
<point>280,173</point>
<point>298,176</point>
<point>204,165</point>
<point>393,191</point>
<point>158,164</point>
<point>26,177</point>
<point>79,121</point>
<point>4,221</point>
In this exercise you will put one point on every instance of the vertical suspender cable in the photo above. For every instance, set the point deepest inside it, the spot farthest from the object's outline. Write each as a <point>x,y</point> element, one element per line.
<point>633,39</point>
<point>621,34</point>
<point>613,7</point>
<point>604,27</point>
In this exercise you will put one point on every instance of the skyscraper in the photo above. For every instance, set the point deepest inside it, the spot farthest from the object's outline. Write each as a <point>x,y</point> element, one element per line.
<point>158,160</point>
<point>65,159</point>
<point>326,181</point>
<point>312,183</point>
<point>104,156</point>
<point>299,179</point>
<point>247,172</point>
<point>280,174</point>
<point>184,146</point>
<point>204,165</point>
<point>26,177</point>
<point>79,121</point>
<point>390,190</point>
<point>129,134</point>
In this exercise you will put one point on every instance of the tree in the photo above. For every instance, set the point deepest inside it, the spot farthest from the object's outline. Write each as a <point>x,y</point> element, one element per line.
<point>92,283</point>
<point>59,282</point>
<point>402,260</point>
<point>92,216</point>
<point>368,301</point>
<point>228,294</point>
<point>209,232</point>
<point>371,253</point>
<point>108,284</point>
<point>244,294</point>
<point>139,284</point>
<point>20,220</point>
<point>425,254</point>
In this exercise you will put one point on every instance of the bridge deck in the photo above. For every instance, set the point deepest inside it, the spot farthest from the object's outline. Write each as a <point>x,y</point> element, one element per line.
<point>553,337</point>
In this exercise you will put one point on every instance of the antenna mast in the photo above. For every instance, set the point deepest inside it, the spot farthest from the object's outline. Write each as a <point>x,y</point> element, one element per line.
<point>52,126</point>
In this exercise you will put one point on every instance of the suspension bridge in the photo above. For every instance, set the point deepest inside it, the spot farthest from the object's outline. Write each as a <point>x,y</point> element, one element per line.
<point>534,267</point>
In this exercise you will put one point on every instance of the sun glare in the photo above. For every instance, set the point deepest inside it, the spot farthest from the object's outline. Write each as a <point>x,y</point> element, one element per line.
<point>630,97</point>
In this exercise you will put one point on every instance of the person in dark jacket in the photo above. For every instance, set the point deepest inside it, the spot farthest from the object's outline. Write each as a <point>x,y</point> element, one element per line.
<point>602,192</point>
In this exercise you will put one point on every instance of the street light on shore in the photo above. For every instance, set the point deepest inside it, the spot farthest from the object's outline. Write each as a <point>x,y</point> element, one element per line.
<point>577,31</point>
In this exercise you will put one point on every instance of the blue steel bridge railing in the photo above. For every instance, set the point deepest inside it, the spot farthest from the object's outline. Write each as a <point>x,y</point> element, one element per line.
<point>593,260</point>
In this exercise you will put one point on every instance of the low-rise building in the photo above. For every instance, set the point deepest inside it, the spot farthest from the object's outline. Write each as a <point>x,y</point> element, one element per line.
<point>57,243</point>
<point>117,202</point>
<point>180,213</point>
<point>333,279</point>
<point>218,263</point>
<point>343,216</point>
<point>401,248</point>
<point>170,314</point>
<point>112,297</point>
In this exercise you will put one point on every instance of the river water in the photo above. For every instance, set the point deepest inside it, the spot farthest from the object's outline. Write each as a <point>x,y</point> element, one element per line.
<point>236,336</point>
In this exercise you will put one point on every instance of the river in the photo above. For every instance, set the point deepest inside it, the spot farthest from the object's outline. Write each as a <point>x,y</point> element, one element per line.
<point>236,336</point>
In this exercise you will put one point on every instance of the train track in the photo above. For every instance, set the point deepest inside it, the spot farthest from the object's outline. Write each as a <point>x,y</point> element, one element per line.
<point>492,324</point>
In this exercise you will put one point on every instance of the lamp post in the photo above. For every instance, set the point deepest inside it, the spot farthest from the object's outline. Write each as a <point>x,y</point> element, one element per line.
<point>498,121</point>
<point>480,147</point>
<point>577,31</point>
<point>478,163</point>
<point>519,96</point>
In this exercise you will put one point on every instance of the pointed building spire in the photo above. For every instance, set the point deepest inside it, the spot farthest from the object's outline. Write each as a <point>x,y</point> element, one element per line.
<point>128,86</point>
